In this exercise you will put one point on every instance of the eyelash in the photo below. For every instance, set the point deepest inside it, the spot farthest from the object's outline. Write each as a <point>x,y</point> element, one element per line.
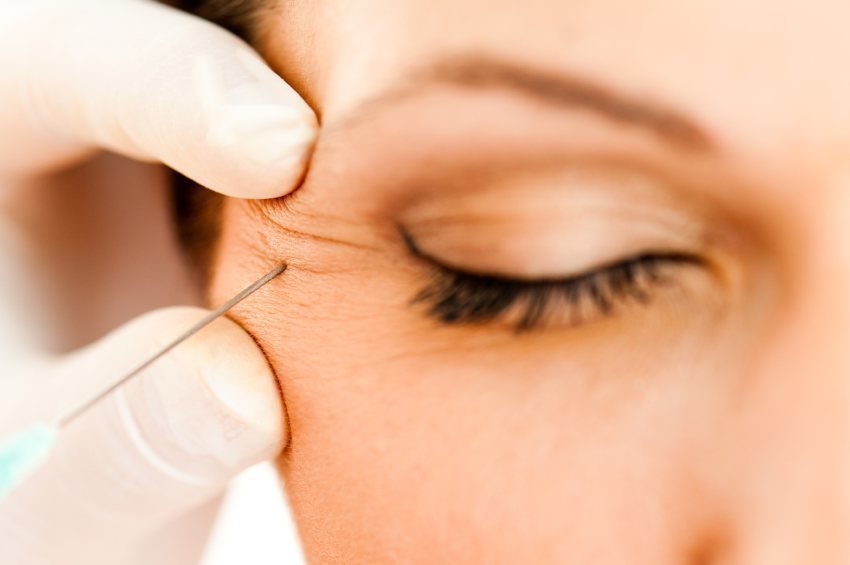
<point>457,297</point>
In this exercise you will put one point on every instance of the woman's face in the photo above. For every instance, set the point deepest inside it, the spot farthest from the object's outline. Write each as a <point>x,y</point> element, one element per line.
<point>568,281</point>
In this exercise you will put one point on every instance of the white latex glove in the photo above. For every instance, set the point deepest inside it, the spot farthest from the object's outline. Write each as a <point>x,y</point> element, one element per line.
<point>160,446</point>
<point>146,81</point>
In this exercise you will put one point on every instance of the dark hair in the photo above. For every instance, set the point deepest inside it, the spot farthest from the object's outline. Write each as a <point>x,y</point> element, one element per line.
<point>239,16</point>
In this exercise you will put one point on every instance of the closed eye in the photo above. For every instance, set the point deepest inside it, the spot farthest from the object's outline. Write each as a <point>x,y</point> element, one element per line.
<point>455,296</point>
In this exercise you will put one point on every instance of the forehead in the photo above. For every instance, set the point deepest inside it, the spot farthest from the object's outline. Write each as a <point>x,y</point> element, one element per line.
<point>765,78</point>
<point>760,65</point>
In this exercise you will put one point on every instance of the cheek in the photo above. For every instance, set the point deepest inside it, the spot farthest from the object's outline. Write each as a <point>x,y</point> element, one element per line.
<point>457,461</point>
<point>451,445</point>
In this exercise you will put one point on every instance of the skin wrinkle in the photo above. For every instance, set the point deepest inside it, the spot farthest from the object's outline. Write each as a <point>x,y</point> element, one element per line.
<point>315,237</point>
<point>289,206</point>
<point>341,134</point>
<point>276,224</point>
<point>270,212</point>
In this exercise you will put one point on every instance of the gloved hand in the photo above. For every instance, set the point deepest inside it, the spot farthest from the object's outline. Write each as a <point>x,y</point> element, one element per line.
<point>149,82</point>
<point>161,446</point>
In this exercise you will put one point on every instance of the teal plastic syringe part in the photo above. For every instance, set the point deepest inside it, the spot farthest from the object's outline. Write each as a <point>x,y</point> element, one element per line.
<point>23,453</point>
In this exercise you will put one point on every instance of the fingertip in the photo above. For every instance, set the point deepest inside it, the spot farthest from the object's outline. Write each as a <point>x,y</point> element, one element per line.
<point>215,393</point>
<point>239,376</point>
<point>258,125</point>
<point>201,414</point>
<point>231,370</point>
<point>262,164</point>
<point>158,84</point>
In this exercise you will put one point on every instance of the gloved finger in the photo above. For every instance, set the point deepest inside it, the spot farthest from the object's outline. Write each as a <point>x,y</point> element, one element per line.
<point>150,82</point>
<point>161,445</point>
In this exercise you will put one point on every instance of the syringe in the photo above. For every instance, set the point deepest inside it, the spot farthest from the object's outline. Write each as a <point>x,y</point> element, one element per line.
<point>26,451</point>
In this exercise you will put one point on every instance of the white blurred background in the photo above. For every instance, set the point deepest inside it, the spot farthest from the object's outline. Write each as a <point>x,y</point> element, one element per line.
<point>254,525</point>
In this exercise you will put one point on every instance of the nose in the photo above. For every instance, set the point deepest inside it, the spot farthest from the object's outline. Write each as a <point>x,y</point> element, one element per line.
<point>789,432</point>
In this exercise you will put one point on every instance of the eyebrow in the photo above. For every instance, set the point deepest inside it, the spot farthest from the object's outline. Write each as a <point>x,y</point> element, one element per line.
<point>563,91</point>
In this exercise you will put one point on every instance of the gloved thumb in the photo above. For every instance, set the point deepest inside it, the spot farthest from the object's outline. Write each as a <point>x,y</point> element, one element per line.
<point>159,446</point>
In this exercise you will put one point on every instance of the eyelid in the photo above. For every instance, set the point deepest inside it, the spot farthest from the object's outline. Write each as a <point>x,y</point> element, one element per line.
<point>414,248</point>
<point>546,223</point>
<point>456,297</point>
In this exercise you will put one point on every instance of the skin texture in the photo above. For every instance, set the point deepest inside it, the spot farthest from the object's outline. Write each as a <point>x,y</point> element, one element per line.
<point>709,424</point>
